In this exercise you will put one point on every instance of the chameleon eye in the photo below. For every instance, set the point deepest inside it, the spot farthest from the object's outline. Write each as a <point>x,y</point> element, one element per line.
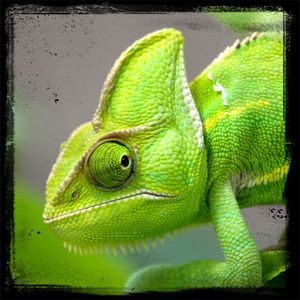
<point>110,165</point>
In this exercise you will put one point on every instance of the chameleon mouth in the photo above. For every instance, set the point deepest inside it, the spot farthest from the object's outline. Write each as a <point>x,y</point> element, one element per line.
<point>146,195</point>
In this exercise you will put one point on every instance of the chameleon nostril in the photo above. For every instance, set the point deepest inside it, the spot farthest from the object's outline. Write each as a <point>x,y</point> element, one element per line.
<point>74,194</point>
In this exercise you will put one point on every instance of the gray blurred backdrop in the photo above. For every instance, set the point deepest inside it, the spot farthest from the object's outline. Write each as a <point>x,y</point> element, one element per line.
<point>60,62</point>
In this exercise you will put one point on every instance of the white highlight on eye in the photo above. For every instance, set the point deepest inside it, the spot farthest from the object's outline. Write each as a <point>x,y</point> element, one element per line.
<point>189,101</point>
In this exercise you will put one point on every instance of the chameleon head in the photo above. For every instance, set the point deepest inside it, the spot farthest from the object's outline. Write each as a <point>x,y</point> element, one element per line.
<point>138,170</point>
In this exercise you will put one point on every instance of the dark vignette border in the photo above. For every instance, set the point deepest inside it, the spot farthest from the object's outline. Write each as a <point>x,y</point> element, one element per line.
<point>8,8</point>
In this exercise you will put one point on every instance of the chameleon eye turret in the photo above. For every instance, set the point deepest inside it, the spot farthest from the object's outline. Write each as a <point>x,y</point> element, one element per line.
<point>110,165</point>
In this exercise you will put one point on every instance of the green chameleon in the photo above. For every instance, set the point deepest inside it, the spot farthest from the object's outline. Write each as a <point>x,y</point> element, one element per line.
<point>161,154</point>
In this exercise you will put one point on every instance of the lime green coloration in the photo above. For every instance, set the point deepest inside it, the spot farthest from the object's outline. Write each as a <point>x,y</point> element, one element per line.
<point>38,260</point>
<point>199,153</point>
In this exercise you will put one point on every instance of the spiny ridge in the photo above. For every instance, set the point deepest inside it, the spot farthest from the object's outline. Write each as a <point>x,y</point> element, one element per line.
<point>237,44</point>
<point>133,247</point>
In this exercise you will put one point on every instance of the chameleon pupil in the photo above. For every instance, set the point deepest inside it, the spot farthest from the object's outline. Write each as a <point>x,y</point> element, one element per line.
<point>125,161</point>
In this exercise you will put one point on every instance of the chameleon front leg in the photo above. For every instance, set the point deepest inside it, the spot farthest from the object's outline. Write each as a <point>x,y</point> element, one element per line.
<point>241,268</point>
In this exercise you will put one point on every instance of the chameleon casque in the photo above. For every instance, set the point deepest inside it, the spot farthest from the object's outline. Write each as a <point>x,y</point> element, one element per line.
<point>161,154</point>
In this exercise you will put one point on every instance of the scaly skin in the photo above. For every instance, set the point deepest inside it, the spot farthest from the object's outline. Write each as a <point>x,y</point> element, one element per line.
<point>160,155</point>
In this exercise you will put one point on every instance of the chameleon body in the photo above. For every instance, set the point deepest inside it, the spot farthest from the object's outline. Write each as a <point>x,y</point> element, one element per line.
<point>161,154</point>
